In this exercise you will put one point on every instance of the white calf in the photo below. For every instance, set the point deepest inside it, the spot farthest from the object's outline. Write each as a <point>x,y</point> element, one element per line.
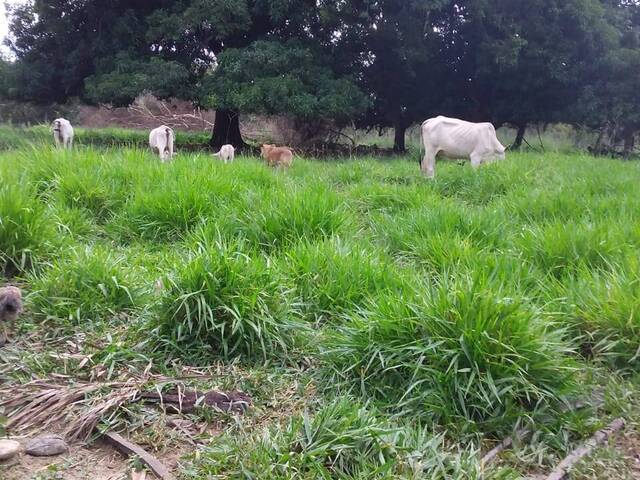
<point>161,142</point>
<point>62,133</point>
<point>226,153</point>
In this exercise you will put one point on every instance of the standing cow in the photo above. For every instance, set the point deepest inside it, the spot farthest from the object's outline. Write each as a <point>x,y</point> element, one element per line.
<point>457,139</point>
<point>62,133</point>
<point>161,142</point>
<point>226,153</point>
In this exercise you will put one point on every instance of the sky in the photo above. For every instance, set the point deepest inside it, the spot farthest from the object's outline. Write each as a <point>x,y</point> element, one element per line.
<point>4,24</point>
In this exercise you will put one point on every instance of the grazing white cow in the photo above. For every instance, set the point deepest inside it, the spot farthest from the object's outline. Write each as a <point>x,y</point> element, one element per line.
<point>457,139</point>
<point>226,153</point>
<point>161,142</point>
<point>62,133</point>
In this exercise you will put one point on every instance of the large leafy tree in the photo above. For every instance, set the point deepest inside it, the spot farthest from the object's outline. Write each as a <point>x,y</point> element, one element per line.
<point>406,72</point>
<point>272,77</point>
<point>611,102</point>
<point>526,61</point>
<point>111,51</point>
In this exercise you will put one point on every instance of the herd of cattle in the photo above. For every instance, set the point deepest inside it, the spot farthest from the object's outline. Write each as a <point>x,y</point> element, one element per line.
<point>441,137</point>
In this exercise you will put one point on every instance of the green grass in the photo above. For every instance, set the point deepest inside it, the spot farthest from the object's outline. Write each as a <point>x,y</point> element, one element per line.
<point>341,440</point>
<point>466,304</point>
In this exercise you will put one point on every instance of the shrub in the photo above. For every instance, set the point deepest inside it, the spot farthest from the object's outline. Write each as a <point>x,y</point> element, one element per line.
<point>603,310</point>
<point>86,284</point>
<point>334,277</point>
<point>27,232</point>
<point>281,218</point>
<point>468,350</point>
<point>232,302</point>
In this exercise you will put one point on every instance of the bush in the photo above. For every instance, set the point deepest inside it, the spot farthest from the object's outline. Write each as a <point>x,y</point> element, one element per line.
<point>232,302</point>
<point>468,350</point>
<point>280,219</point>
<point>86,284</point>
<point>603,310</point>
<point>27,232</point>
<point>334,277</point>
<point>342,440</point>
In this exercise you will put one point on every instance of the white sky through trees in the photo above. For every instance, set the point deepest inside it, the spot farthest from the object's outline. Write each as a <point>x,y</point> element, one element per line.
<point>4,23</point>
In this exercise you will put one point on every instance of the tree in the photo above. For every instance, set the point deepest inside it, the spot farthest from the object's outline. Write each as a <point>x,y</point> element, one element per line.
<point>527,61</point>
<point>273,78</point>
<point>406,74</point>
<point>112,51</point>
<point>611,102</point>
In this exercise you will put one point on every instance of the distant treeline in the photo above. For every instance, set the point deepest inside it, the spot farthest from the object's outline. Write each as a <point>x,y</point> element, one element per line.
<point>335,63</point>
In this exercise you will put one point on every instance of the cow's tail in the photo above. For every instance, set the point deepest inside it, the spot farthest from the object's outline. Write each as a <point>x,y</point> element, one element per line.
<point>167,132</point>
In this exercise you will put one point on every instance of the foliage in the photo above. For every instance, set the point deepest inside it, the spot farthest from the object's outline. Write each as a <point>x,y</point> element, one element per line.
<point>281,78</point>
<point>232,302</point>
<point>341,440</point>
<point>85,285</point>
<point>467,350</point>
<point>127,78</point>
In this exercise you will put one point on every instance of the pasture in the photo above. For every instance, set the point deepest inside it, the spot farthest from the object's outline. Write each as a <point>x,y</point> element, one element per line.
<point>384,325</point>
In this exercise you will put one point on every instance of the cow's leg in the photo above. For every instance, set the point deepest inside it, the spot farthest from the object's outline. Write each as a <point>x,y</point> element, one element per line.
<point>428,165</point>
<point>476,160</point>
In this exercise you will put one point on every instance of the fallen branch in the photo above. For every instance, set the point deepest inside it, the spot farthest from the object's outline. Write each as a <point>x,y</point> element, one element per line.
<point>506,443</point>
<point>574,457</point>
<point>596,400</point>
<point>129,448</point>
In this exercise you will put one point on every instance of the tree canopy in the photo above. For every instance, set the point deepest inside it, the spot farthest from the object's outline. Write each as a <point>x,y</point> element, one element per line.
<point>376,63</point>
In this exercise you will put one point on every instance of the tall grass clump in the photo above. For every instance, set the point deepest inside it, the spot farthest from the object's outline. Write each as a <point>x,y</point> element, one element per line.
<point>464,350</point>
<point>334,277</point>
<point>27,232</point>
<point>283,217</point>
<point>233,302</point>
<point>342,440</point>
<point>86,284</point>
<point>440,234</point>
<point>481,186</point>
<point>602,309</point>
<point>176,198</point>
<point>559,248</point>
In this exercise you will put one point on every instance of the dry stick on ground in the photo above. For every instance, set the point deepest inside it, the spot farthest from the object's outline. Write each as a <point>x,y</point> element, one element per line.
<point>574,457</point>
<point>506,443</point>
<point>597,400</point>
<point>128,448</point>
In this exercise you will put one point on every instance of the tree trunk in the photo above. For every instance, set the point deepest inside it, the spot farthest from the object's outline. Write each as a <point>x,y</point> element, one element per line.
<point>226,129</point>
<point>517,144</point>
<point>629,141</point>
<point>399,145</point>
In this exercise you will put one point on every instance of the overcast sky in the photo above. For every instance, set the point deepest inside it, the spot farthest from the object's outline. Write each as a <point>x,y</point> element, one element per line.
<point>4,24</point>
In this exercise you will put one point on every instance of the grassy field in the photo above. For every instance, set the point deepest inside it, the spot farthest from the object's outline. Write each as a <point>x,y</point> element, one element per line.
<point>385,325</point>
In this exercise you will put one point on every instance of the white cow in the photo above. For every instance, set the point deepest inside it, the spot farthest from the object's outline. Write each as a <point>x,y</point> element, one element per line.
<point>62,133</point>
<point>457,139</point>
<point>161,142</point>
<point>226,153</point>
